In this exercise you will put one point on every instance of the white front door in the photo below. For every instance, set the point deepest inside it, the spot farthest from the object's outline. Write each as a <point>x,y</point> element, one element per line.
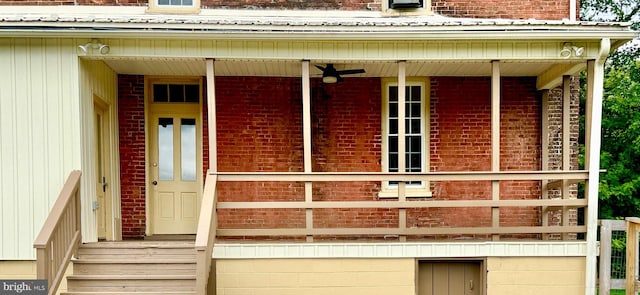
<point>176,175</point>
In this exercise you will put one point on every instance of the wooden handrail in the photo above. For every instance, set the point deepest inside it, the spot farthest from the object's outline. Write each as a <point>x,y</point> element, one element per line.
<point>60,235</point>
<point>206,234</point>
<point>396,176</point>
<point>575,203</point>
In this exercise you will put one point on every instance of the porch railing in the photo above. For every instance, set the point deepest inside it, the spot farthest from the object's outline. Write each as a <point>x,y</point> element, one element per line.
<point>61,234</point>
<point>206,234</point>
<point>549,179</point>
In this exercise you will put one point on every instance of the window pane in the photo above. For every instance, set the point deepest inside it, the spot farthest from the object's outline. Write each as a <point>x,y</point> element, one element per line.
<point>415,126</point>
<point>192,93</point>
<point>414,144</point>
<point>393,126</point>
<point>187,2</point>
<point>176,93</point>
<point>165,148</point>
<point>188,149</point>
<point>415,110</point>
<point>413,163</point>
<point>393,162</point>
<point>393,144</point>
<point>393,93</point>
<point>415,94</point>
<point>163,2</point>
<point>160,93</point>
<point>393,110</point>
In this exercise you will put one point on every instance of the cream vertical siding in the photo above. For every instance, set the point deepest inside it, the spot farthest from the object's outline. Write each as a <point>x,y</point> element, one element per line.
<point>26,270</point>
<point>316,276</point>
<point>99,82</point>
<point>39,134</point>
<point>535,275</point>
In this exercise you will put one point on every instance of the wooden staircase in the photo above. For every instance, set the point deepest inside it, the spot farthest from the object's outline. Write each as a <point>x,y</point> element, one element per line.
<point>134,267</point>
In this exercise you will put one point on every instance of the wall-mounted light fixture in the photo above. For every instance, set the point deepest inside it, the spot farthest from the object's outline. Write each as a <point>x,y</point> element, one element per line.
<point>94,45</point>
<point>568,49</point>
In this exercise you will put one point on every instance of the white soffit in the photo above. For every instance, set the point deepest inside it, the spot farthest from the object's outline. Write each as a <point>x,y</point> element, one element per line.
<point>196,67</point>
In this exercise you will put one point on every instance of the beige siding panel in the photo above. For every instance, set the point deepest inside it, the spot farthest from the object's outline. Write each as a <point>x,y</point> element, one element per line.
<point>316,276</point>
<point>529,275</point>
<point>26,270</point>
<point>98,81</point>
<point>39,130</point>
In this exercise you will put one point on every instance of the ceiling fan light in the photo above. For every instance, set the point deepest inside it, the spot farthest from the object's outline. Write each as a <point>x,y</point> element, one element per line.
<point>329,79</point>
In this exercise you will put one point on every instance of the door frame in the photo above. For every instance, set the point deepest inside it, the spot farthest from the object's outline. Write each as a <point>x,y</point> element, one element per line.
<point>151,109</point>
<point>481,260</point>
<point>110,153</point>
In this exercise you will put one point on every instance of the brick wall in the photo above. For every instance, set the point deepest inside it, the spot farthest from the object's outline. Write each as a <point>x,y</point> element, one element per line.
<point>132,156</point>
<point>131,108</point>
<point>509,9</point>
<point>259,129</point>
<point>259,125</point>
<point>555,145</point>
<point>461,141</point>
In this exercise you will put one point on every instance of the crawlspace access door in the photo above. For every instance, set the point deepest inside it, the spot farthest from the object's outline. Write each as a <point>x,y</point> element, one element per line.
<point>450,278</point>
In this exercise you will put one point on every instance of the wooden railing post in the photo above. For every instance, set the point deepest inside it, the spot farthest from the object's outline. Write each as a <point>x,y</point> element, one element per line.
<point>206,234</point>
<point>633,225</point>
<point>60,235</point>
<point>605,258</point>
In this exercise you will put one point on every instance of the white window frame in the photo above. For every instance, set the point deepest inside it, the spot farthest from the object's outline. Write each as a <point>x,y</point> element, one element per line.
<point>422,190</point>
<point>155,7</point>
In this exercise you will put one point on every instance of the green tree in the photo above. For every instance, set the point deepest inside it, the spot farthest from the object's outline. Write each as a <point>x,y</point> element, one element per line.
<point>620,186</point>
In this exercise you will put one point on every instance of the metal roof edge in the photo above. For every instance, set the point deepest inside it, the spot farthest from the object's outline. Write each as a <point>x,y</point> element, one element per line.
<point>318,35</point>
<point>134,22</point>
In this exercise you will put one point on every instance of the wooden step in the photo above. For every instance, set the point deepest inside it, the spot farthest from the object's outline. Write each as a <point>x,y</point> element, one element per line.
<point>128,293</point>
<point>134,266</point>
<point>131,283</point>
<point>137,250</point>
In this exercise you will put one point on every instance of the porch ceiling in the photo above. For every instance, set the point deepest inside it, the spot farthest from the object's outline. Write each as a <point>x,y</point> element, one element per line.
<point>289,68</point>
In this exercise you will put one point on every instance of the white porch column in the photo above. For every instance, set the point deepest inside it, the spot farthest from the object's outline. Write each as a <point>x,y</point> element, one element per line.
<point>495,142</point>
<point>211,116</point>
<point>402,196</point>
<point>306,134</point>
<point>566,146</point>
<point>595,77</point>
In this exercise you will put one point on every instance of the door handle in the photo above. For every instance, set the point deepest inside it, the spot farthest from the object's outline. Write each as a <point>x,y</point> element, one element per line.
<point>154,182</point>
<point>470,284</point>
<point>104,184</point>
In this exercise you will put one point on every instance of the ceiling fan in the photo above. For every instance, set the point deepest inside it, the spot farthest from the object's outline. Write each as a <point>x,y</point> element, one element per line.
<point>331,75</point>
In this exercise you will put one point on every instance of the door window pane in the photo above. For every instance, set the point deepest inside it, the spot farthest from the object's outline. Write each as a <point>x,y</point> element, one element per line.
<point>165,148</point>
<point>188,149</point>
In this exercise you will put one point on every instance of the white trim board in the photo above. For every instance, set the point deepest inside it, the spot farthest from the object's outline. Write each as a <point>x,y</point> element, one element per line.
<point>400,250</point>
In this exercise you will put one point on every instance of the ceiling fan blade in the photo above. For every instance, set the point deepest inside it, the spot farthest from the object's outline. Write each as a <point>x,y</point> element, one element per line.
<point>320,68</point>
<point>350,72</point>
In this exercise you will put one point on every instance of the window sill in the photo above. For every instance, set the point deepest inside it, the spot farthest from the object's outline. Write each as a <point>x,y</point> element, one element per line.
<point>391,193</point>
